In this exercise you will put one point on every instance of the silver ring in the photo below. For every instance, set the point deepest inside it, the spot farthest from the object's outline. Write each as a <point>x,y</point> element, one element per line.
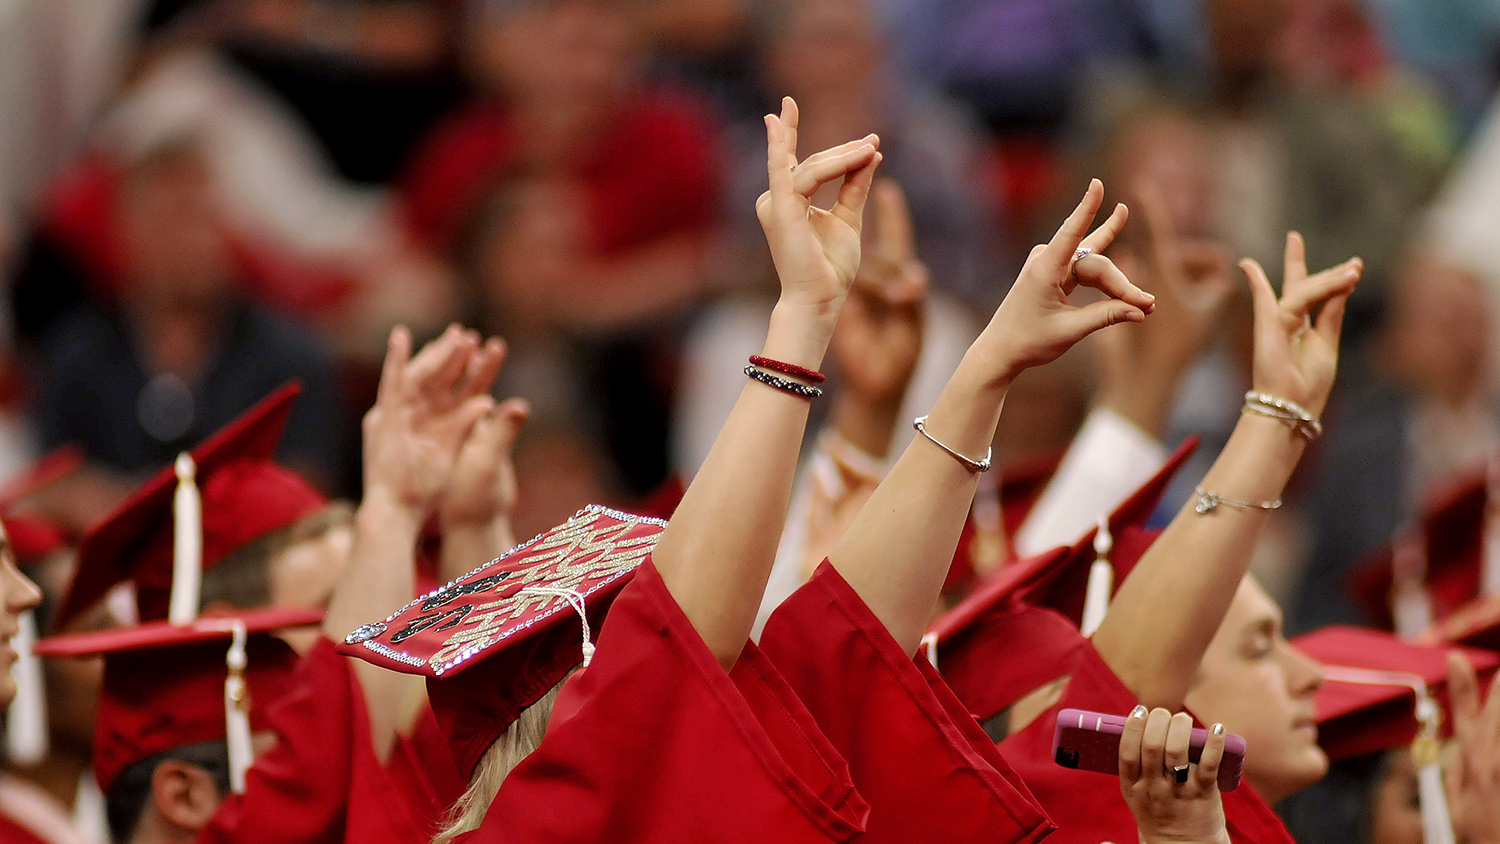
<point>1081,252</point>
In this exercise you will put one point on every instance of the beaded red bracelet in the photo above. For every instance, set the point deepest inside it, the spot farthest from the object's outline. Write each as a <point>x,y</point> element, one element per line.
<point>788,369</point>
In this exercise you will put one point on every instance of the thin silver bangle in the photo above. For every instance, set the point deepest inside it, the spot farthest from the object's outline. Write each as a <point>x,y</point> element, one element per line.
<point>1207,501</point>
<point>920,423</point>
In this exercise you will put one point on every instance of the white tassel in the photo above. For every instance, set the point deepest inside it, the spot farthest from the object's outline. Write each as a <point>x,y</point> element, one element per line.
<point>26,719</point>
<point>1101,580</point>
<point>237,712</point>
<point>575,600</point>
<point>1426,749</point>
<point>187,544</point>
<point>1411,606</point>
<point>930,646</point>
<point>1490,577</point>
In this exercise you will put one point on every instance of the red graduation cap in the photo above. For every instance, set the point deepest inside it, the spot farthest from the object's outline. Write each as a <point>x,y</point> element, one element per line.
<point>1449,546</point>
<point>45,471</point>
<point>244,496</point>
<point>33,537</point>
<point>168,686</point>
<point>496,640</point>
<point>1374,684</point>
<point>1035,606</point>
<point>1475,624</point>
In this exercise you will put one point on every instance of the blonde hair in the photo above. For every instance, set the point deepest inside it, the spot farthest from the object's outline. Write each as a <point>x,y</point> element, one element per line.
<point>517,742</point>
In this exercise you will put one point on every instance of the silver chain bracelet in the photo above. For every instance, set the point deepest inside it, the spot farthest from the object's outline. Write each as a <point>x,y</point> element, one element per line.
<point>1207,501</point>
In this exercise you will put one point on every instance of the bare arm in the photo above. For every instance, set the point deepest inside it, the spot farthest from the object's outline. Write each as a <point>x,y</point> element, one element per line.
<point>898,549</point>
<point>423,411</point>
<point>716,552</point>
<point>1169,607</point>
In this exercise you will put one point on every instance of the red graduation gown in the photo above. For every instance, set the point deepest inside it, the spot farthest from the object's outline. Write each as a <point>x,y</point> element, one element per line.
<point>928,771</point>
<point>1088,805</point>
<point>654,743</point>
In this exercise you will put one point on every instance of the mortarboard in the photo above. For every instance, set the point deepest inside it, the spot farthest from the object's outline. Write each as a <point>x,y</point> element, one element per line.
<point>1381,693</point>
<point>1475,624</point>
<point>1442,561</point>
<point>497,639</point>
<point>168,685</point>
<point>168,531</point>
<point>1036,607</point>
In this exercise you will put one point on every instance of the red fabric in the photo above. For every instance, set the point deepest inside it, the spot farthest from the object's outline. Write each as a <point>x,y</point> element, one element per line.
<point>654,743</point>
<point>929,773</point>
<point>978,661</point>
<point>649,172</point>
<point>33,537</point>
<point>13,833</point>
<point>1356,718</point>
<point>1087,805</point>
<point>299,791</point>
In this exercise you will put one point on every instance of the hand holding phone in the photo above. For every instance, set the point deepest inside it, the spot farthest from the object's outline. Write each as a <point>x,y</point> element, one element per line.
<point>1090,741</point>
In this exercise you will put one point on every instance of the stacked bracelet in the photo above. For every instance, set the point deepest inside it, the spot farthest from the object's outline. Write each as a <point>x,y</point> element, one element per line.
<point>1293,414</point>
<point>1208,501</point>
<point>806,391</point>
<point>791,369</point>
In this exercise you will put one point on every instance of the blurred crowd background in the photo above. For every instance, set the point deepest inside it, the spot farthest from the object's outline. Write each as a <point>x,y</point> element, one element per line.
<point>200,199</point>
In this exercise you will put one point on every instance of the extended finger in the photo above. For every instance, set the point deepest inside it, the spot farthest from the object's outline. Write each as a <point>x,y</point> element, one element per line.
<point>1211,758</point>
<point>1130,745</point>
<point>826,165</point>
<point>1262,297</point>
<point>431,358</point>
<point>1324,285</point>
<point>1100,273</point>
<point>791,118</point>
<point>1179,735</point>
<point>850,206</point>
<point>1081,322</point>
<point>1070,234</point>
<point>483,367</point>
<point>1330,322</point>
<point>1100,238</point>
<point>896,241</point>
<point>779,158</point>
<point>1294,263</point>
<point>512,415</point>
<point>397,354</point>
<point>1463,694</point>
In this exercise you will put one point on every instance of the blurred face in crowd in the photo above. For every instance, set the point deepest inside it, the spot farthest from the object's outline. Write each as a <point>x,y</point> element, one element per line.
<point>1258,686</point>
<point>1244,35</point>
<point>304,573</point>
<point>1395,814</point>
<point>17,595</point>
<point>578,53</point>
<point>530,243</point>
<point>1438,333</point>
<point>1171,151</point>
<point>171,230</point>
<point>822,43</point>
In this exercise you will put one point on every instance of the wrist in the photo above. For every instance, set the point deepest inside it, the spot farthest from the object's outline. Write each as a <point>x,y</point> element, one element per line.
<point>384,510</point>
<point>799,334</point>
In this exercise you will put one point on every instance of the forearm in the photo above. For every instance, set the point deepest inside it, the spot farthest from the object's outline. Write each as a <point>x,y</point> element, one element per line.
<point>465,547</point>
<point>897,551</point>
<point>1170,606</point>
<point>716,553</point>
<point>379,579</point>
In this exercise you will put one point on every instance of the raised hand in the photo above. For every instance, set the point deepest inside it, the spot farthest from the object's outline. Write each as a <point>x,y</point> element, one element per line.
<point>1473,777</point>
<point>1296,356</point>
<point>816,251</point>
<point>482,488</point>
<point>423,411</point>
<point>879,336</point>
<point>1036,323</point>
<point>1168,811</point>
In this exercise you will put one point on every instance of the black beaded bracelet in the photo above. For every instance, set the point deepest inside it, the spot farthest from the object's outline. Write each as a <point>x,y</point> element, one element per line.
<point>806,391</point>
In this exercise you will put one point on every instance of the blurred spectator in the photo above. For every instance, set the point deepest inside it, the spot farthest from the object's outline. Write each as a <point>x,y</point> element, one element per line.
<point>180,352</point>
<point>1431,410</point>
<point>833,57</point>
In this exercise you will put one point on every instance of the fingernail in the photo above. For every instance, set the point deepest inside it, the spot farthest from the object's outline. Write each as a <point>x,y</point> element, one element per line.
<point>1149,296</point>
<point>1139,711</point>
<point>1218,729</point>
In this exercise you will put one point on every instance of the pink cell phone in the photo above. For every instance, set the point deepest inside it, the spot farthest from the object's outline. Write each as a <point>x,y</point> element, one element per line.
<point>1090,741</point>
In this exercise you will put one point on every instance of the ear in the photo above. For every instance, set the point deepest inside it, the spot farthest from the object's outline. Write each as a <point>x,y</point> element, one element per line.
<point>184,795</point>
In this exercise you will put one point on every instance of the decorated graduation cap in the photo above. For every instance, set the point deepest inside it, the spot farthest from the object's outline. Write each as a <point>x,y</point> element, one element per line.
<point>1381,693</point>
<point>1037,606</point>
<point>1448,558</point>
<point>497,639</point>
<point>168,685</point>
<point>216,499</point>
